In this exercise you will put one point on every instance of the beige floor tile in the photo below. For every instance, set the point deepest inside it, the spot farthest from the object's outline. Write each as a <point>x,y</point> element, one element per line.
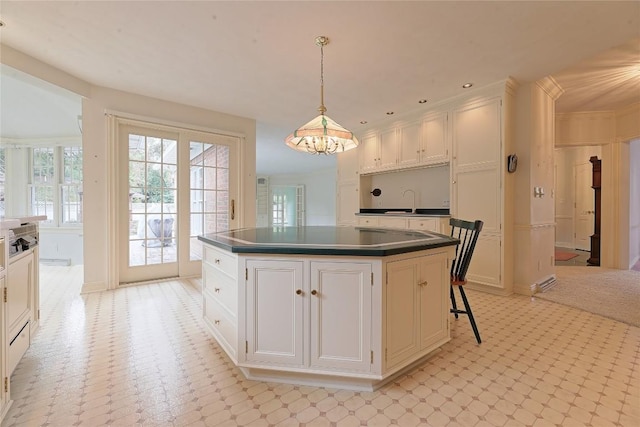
<point>136,363</point>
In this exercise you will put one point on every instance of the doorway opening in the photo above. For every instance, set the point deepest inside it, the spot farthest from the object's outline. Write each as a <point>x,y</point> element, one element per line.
<point>575,209</point>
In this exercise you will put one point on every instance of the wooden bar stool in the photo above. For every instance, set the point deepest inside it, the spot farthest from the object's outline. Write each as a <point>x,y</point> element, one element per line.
<point>467,232</point>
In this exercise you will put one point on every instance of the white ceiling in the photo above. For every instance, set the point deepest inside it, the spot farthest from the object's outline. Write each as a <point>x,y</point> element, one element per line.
<point>259,59</point>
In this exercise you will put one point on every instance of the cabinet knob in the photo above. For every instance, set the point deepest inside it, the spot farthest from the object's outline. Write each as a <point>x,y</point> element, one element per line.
<point>425,283</point>
<point>217,261</point>
<point>298,291</point>
<point>217,322</point>
<point>217,290</point>
<point>314,292</point>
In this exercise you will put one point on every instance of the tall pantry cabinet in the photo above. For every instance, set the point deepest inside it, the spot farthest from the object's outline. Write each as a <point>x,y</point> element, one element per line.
<point>481,185</point>
<point>478,126</point>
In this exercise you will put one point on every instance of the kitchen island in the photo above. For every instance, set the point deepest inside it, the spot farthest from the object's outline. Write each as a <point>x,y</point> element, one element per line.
<point>342,307</point>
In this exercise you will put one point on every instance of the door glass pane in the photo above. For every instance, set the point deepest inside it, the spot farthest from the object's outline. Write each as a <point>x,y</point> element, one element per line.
<point>209,182</point>
<point>152,200</point>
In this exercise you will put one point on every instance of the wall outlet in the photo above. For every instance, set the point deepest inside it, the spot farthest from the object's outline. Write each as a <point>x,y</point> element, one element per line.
<point>445,203</point>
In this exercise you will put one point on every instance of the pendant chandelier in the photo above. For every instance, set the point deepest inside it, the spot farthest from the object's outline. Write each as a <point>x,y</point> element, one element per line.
<point>322,135</point>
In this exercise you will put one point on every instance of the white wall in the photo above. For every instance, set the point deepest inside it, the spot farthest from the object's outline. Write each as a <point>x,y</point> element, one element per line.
<point>320,194</point>
<point>634,202</point>
<point>97,179</point>
<point>431,187</point>
<point>61,245</point>
<point>98,259</point>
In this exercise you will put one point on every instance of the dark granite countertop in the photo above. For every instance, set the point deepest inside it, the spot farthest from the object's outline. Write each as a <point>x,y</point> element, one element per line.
<point>420,212</point>
<point>326,240</point>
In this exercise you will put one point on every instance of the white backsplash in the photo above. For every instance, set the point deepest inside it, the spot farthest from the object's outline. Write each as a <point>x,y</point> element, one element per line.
<point>430,185</point>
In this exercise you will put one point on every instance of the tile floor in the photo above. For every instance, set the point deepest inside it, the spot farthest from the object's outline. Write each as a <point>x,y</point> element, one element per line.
<point>141,356</point>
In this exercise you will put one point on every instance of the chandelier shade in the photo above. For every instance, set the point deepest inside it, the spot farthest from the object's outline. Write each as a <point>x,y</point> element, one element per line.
<point>322,135</point>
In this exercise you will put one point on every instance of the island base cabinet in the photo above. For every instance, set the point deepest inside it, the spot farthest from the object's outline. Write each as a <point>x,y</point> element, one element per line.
<point>416,308</point>
<point>309,315</point>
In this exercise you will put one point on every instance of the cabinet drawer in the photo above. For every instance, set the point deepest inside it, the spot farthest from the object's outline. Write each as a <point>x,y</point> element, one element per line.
<point>224,329</point>
<point>222,260</point>
<point>367,221</point>
<point>221,287</point>
<point>388,222</point>
<point>428,224</point>
<point>18,347</point>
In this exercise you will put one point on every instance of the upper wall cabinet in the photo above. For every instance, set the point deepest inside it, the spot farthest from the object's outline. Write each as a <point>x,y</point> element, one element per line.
<point>406,144</point>
<point>369,152</point>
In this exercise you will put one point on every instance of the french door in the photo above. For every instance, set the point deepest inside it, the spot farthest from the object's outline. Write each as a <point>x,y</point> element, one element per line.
<point>175,185</point>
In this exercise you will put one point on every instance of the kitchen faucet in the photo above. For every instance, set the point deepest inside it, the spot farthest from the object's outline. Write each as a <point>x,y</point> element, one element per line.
<point>413,201</point>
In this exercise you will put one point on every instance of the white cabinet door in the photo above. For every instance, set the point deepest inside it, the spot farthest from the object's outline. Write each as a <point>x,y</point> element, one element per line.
<point>348,165</point>
<point>369,150</point>
<point>348,202</point>
<point>274,318</point>
<point>340,316</point>
<point>435,141</point>
<point>477,134</point>
<point>409,143</point>
<point>417,308</point>
<point>401,311</point>
<point>3,351</point>
<point>19,293</point>
<point>433,287</point>
<point>388,149</point>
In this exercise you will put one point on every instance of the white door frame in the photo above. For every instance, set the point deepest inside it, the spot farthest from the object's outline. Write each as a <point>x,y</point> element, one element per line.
<point>113,120</point>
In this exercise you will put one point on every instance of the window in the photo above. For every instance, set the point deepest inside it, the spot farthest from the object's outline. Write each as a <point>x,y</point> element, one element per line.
<point>56,185</point>
<point>287,205</point>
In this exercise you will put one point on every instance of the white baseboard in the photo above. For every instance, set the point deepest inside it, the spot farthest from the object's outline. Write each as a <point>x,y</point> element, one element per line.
<point>93,287</point>
<point>524,289</point>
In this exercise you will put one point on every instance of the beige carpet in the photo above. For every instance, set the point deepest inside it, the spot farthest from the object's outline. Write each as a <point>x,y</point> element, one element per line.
<point>610,293</point>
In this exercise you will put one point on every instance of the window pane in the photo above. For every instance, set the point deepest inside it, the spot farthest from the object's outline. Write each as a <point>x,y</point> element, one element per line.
<point>222,160</point>
<point>43,166</point>
<point>71,196</point>
<point>169,151</point>
<point>72,161</point>
<point>42,201</point>
<point>154,149</point>
<point>209,154</point>
<point>209,181</point>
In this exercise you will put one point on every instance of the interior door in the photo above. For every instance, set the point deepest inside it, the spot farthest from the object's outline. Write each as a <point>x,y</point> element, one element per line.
<point>584,207</point>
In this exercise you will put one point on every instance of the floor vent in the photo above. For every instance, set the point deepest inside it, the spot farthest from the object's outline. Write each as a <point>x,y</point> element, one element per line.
<point>547,284</point>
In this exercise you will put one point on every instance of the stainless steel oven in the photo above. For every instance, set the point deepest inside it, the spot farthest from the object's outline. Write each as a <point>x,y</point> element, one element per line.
<point>22,238</point>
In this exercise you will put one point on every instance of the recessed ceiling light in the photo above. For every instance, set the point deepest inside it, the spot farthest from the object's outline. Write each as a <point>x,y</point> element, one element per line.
<point>467,85</point>
<point>363,122</point>
<point>422,101</point>
<point>389,113</point>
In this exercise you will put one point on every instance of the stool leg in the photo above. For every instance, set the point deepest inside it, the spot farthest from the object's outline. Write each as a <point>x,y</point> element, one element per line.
<point>453,302</point>
<point>470,314</point>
